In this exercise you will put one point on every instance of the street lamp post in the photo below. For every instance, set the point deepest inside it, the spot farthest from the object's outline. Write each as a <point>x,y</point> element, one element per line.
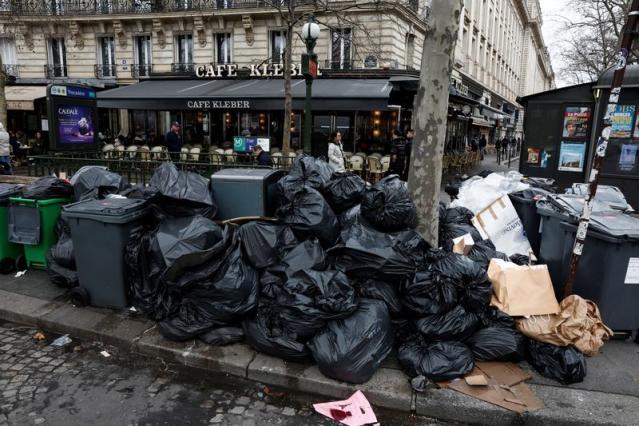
<point>310,34</point>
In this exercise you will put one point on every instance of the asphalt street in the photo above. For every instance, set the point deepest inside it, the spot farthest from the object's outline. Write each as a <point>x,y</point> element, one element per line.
<point>76,385</point>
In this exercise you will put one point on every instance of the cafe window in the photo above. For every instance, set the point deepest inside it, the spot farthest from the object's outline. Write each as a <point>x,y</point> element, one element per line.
<point>144,126</point>
<point>341,49</point>
<point>224,48</point>
<point>254,124</point>
<point>278,44</point>
<point>57,53</point>
<point>184,49</point>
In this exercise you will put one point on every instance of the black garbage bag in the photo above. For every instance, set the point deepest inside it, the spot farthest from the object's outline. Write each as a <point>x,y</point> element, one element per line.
<point>344,191</point>
<point>136,192</point>
<point>438,361</point>
<point>564,364</point>
<point>521,259</point>
<point>48,187</point>
<point>474,289</point>
<point>223,336</point>
<point>309,215</point>
<point>353,348</point>
<point>350,217</point>
<point>427,294</point>
<point>493,317</point>
<point>265,333</point>
<point>380,290</point>
<point>185,242</point>
<point>61,266</point>
<point>484,250</point>
<point>498,344</point>
<point>368,253</point>
<point>456,215</point>
<point>175,193</point>
<point>306,255</point>
<point>223,299</point>
<point>389,206</point>
<point>265,243</point>
<point>309,299</point>
<point>305,171</point>
<point>95,182</point>
<point>456,324</point>
<point>449,231</point>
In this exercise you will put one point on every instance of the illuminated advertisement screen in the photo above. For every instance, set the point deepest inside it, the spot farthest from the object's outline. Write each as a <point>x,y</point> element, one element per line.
<point>75,125</point>
<point>246,143</point>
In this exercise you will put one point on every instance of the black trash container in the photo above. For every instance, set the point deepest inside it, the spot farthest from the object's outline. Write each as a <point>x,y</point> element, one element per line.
<point>608,271</point>
<point>100,230</point>
<point>525,203</point>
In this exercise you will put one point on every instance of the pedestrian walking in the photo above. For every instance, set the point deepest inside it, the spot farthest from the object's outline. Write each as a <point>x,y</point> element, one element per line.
<point>174,141</point>
<point>5,151</point>
<point>336,153</point>
<point>482,146</point>
<point>498,149</point>
<point>513,147</point>
<point>474,144</point>
<point>262,157</point>
<point>410,135</point>
<point>398,154</point>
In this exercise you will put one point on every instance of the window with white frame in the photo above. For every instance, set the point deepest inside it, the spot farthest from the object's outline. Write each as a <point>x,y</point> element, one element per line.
<point>8,54</point>
<point>57,55</point>
<point>106,57</point>
<point>223,48</point>
<point>184,51</point>
<point>143,55</point>
<point>278,44</point>
<point>341,48</point>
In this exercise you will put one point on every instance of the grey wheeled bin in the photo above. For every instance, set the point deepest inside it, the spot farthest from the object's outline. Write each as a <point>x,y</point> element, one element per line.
<point>608,271</point>
<point>100,230</point>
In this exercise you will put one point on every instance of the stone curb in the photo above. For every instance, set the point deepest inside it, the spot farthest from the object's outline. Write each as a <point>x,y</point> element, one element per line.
<point>388,388</point>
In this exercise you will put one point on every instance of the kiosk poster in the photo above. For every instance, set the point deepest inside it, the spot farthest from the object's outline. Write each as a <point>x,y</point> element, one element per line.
<point>628,157</point>
<point>572,156</point>
<point>75,125</point>
<point>533,156</point>
<point>621,120</point>
<point>576,122</point>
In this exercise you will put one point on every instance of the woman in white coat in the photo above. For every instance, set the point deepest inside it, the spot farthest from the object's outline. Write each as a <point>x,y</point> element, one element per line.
<point>336,153</point>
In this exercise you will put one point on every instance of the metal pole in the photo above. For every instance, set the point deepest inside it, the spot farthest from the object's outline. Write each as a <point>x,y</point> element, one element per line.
<point>307,115</point>
<point>602,143</point>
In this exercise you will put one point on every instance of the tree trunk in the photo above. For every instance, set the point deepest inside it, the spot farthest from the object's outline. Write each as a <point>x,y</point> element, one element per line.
<point>288,96</point>
<point>3,99</point>
<point>430,114</point>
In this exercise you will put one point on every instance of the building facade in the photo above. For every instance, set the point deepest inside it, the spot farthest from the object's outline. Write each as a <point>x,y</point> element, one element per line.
<point>110,43</point>
<point>106,44</point>
<point>500,56</point>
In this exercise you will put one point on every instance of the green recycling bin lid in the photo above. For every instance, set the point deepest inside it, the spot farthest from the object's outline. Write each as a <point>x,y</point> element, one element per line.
<point>111,210</point>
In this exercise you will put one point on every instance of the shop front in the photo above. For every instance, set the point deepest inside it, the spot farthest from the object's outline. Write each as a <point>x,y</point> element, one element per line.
<point>26,107</point>
<point>215,112</point>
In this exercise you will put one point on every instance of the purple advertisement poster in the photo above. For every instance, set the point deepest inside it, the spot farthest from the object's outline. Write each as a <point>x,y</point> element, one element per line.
<point>75,125</point>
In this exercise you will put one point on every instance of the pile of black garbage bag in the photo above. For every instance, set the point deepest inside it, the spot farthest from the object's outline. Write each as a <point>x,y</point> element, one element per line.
<point>340,277</point>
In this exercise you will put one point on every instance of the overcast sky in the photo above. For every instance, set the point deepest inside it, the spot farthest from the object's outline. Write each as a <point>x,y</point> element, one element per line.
<point>553,11</point>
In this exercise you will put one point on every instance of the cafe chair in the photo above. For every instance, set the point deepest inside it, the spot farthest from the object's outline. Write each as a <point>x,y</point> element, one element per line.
<point>385,160</point>
<point>119,150</point>
<point>277,159</point>
<point>132,152</point>
<point>361,154</point>
<point>356,164</point>
<point>194,154</point>
<point>157,153</point>
<point>144,153</point>
<point>377,155</point>
<point>108,150</point>
<point>299,152</point>
<point>275,150</point>
<point>217,157</point>
<point>374,170</point>
<point>291,157</point>
<point>229,155</point>
<point>184,153</point>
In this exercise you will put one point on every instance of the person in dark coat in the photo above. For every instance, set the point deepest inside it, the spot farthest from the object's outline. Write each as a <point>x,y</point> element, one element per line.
<point>498,149</point>
<point>262,157</point>
<point>482,146</point>
<point>398,153</point>
<point>174,141</point>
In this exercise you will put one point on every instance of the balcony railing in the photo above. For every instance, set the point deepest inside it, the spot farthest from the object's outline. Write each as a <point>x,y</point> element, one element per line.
<point>11,71</point>
<point>55,71</point>
<point>93,7</point>
<point>141,70</point>
<point>183,68</point>
<point>105,71</point>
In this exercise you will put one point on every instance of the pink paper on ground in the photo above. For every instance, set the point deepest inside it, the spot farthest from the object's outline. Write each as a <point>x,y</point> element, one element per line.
<point>359,407</point>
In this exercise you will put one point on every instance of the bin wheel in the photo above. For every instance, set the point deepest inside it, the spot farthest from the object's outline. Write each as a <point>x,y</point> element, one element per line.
<point>7,266</point>
<point>21,263</point>
<point>79,297</point>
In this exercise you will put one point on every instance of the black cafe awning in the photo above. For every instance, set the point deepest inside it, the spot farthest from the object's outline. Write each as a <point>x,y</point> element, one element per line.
<point>328,94</point>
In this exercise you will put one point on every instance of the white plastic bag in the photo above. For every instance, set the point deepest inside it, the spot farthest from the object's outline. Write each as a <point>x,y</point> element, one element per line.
<point>500,222</point>
<point>477,193</point>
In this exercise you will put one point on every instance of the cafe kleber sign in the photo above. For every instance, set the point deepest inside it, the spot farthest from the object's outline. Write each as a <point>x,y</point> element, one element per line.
<point>208,104</point>
<point>263,70</point>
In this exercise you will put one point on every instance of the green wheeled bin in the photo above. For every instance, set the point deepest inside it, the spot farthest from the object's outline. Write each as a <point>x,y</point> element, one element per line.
<point>32,224</point>
<point>11,254</point>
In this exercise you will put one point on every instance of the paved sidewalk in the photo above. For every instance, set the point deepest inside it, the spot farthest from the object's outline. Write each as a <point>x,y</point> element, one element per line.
<point>609,395</point>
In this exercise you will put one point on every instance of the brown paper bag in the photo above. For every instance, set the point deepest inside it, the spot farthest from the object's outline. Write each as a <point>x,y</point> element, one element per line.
<point>522,290</point>
<point>579,324</point>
